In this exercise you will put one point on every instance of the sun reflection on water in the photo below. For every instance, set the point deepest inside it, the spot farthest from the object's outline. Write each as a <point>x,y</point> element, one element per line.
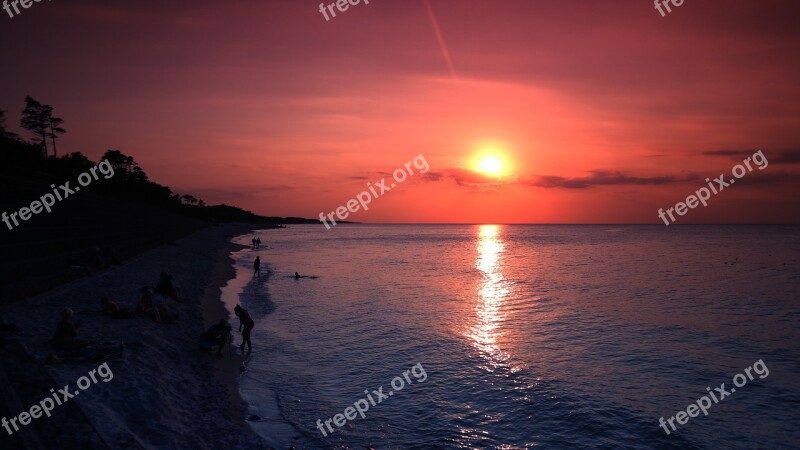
<point>491,293</point>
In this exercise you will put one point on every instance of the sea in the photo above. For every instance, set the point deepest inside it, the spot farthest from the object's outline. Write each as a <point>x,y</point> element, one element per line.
<point>522,336</point>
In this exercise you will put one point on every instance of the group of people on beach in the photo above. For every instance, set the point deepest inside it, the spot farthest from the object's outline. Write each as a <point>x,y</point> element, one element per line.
<point>219,334</point>
<point>152,305</point>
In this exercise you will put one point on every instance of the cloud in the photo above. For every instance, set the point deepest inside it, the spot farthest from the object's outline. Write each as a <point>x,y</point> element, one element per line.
<point>605,178</point>
<point>470,178</point>
<point>464,177</point>
<point>781,156</point>
<point>768,178</point>
<point>432,176</point>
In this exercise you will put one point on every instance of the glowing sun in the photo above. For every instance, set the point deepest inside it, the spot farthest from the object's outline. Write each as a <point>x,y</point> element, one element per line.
<point>490,165</point>
<point>491,159</point>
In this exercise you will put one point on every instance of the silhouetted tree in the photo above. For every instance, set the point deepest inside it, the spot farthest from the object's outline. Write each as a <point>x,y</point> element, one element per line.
<point>189,199</point>
<point>36,119</point>
<point>72,163</point>
<point>3,132</point>
<point>125,167</point>
<point>55,129</point>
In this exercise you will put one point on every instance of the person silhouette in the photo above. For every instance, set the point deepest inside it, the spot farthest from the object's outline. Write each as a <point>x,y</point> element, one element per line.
<point>257,266</point>
<point>258,242</point>
<point>246,325</point>
<point>254,242</point>
<point>297,276</point>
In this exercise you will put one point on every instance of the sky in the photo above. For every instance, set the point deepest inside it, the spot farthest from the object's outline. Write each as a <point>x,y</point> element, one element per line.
<point>589,111</point>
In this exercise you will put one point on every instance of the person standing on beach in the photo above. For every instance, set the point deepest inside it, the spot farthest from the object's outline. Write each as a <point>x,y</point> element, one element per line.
<point>254,243</point>
<point>258,242</point>
<point>257,266</point>
<point>246,325</point>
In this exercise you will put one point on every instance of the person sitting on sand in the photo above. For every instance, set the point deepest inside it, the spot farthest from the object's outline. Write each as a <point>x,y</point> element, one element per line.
<point>160,305</point>
<point>145,307</point>
<point>218,334</point>
<point>246,325</point>
<point>66,335</point>
<point>109,307</point>
<point>165,286</point>
<point>112,309</point>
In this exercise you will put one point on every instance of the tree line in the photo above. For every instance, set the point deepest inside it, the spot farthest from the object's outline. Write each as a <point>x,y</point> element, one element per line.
<point>39,120</point>
<point>32,159</point>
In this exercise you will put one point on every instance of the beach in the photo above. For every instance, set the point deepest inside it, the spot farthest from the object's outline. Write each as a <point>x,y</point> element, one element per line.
<point>414,225</point>
<point>164,393</point>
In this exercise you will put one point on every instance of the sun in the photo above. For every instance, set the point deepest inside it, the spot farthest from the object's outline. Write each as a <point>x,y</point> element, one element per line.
<point>491,160</point>
<point>490,165</point>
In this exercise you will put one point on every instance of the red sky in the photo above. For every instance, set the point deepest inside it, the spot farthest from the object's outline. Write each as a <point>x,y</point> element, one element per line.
<point>604,110</point>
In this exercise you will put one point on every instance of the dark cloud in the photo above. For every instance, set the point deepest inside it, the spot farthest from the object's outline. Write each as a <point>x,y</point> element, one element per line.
<point>786,157</point>
<point>432,176</point>
<point>463,177</point>
<point>466,177</point>
<point>736,153</point>
<point>278,188</point>
<point>781,156</point>
<point>768,178</point>
<point>605,178</point>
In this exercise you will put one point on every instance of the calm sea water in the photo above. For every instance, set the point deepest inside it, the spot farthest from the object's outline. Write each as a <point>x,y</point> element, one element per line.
<point>530,336</point>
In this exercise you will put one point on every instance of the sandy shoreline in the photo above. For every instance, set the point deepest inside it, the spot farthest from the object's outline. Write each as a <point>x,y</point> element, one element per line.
<point>226,369</point>
<point>164,392</point>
